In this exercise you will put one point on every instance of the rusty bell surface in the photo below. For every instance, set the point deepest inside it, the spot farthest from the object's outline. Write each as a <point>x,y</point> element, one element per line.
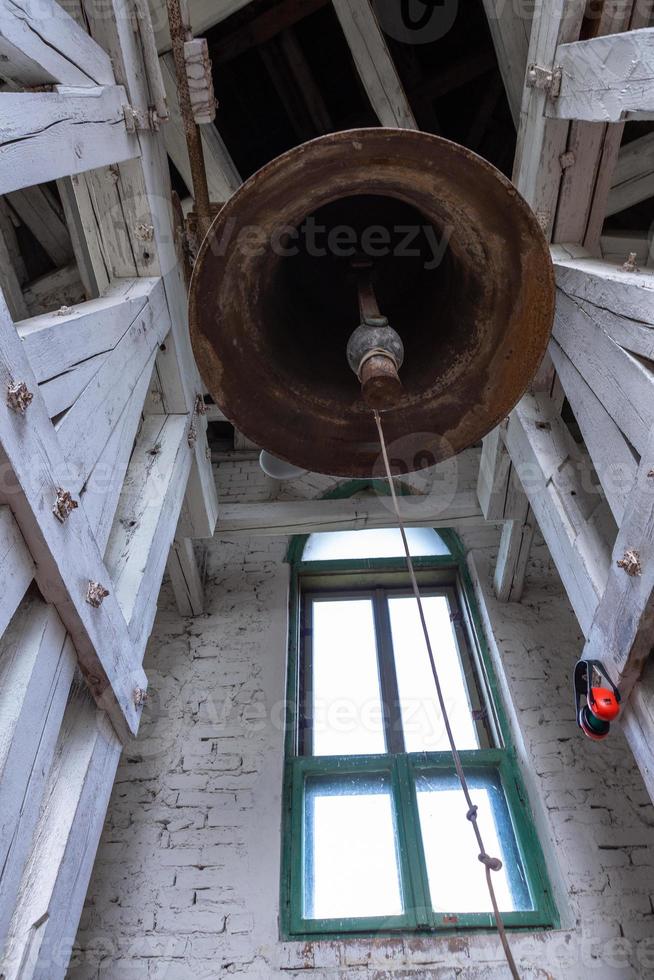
<point>460,269</point>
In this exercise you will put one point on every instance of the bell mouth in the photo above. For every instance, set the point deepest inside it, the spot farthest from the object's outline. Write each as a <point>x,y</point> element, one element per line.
<point>460,268</point>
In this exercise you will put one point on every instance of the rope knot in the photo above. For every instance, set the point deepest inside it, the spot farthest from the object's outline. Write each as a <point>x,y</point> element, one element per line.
<point>471,815</point>
<point>493,864</point>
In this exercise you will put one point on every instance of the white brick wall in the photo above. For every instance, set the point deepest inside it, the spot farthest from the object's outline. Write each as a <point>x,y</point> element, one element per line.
<point>186,882</point>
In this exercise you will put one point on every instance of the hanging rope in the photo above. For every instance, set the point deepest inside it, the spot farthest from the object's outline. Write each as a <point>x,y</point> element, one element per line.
<point>490,863</point>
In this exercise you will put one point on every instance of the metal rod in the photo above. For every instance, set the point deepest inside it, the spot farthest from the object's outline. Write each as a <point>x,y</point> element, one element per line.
<point>178,31</point>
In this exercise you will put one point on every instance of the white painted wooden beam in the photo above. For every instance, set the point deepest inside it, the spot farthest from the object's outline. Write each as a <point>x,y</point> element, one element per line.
<point>512,558</point>
<point>38,210</point>
<point>16,567</point>
<point>510,28</point>
<point>41,44</point>
<point>222,176</point>
<point>47,135</point>
<point>67,556</point>
<point>623,625</point>
<point>374,63</point>
<point>633,179</point>
<point>637,723</point>
<point>37,662</point>
<point>9,281</point>
<point>309,516</point>
<point>574,519</point>
<point>606,79</point>
<point>144,524</point>
<point>622,382</point>
<point>65,841</point>
<point>185,578</point>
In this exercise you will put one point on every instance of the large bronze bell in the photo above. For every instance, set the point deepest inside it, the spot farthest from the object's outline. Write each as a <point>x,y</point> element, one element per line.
<point>452,257</point>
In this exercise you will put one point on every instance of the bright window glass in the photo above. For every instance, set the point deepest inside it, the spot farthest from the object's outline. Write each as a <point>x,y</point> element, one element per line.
<point>380,543</point>
<point>346,701</point>
<point>457,879</point>
<point>350,850</point>
<point>422,720</point>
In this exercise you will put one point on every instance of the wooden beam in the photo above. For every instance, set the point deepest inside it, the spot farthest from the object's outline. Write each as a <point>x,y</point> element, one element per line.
<point>41,44</point>
<point>512,558</point>
<point>637,723</point>
<point>64,844</point>
<point>267,25</point>
<point>144,524</point>
<point>623,625</point>
<point>613,458</point>
<point>374,63</point>
<point>606,79</point>
<point>309,516</point>
<point>185,578</point>
<point>203,14</point>
<point>67,556</point>
<point>633,179</point>
<point>38,210</point>
<point>510,29</point>
<point>16,567</point>
<point>37,663</point>
<point>222,176</point>
<point>9,281</point>
<point>573,517</point>
<point>61,287</point>
<point>47,135</point>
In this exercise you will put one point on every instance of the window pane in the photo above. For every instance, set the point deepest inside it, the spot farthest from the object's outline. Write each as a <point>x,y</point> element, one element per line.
<point>422,721</point>
<point>346,703</point>
<point>350,852</point>
<point>381,543</point>
<point>457,879</point>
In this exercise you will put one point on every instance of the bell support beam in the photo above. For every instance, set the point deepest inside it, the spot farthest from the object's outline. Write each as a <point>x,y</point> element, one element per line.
<point>66,554</point>
<point>41,44</point>
<point>47,135</point>
<point>633,179</point>
<point>374,63</point>
<point>606,79</point>
<point>510,27</point>
<point>571,512</point>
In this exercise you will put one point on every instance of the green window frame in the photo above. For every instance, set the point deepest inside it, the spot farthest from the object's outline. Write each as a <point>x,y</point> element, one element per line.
<point>401,769</point>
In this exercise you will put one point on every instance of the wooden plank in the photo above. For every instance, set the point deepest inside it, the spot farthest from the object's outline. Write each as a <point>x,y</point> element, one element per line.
<point>9,281</point>
<point>37,209</point>
<point>637,724</point>
<point>633,178</point>
<point>144,525</point>
<point>16,567</point>
<point>77,209</point>
<point>607,288</point>
<point>85,428</point>
<point>606,79</point>
<point>556,476</point>
<point>65,842</point>
<point>622,629</point>
<point>62,391</point>
<point>510,30</point>
<point>41,44</point>
<point>102,490</point>
<point>309,516</point>
<point>512,559</point>
<point>222,176</point>
<point>185,578</point>
<point>374,63</point>
<point>541,140</point>
<point>622,383</point>
<point>61,287</point>
<point>66,555</point>
<point>37,662</point>
<point>56,342</point>
<point>47,135</point>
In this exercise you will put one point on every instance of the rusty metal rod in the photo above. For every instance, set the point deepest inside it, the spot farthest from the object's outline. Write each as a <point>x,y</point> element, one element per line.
<point>178,32</point>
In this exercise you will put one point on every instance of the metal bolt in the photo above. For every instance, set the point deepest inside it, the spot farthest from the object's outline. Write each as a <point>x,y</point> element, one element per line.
<point>140,697</point>
<point>19,397</point>
<point>567,160</point>
<point>630,264</point>
<point>95,594</point>
<point>650,473</point>
<point>631,563</point>
<point>63,505</point>
<point>63,311</point>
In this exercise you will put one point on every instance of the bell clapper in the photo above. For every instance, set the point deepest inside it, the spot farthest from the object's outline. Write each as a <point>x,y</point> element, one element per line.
<point>374,351</point>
